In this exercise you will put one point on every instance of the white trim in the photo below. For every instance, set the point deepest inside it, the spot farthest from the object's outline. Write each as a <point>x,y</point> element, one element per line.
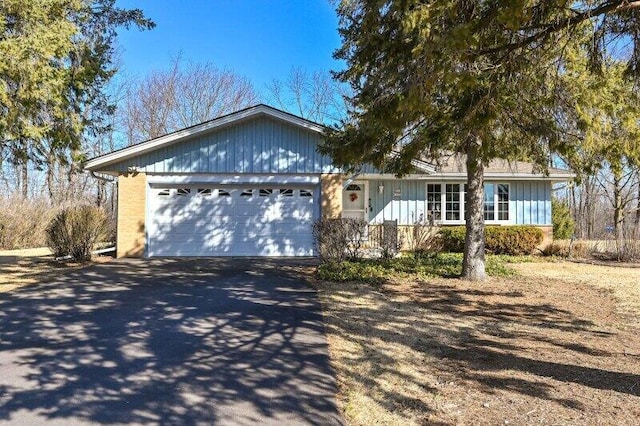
<point>443,204</point>
<point>172,138</point>
<point>456,177</point>
<point>280,179</point>
<point>365,192</point>
<point>496,208</point>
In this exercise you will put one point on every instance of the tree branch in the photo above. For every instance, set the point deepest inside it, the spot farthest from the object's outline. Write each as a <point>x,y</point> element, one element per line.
<point>609,7</point>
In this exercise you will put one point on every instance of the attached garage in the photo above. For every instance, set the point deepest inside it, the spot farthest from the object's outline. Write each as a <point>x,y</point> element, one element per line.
<point>229,220</point>
<point>247,184</point>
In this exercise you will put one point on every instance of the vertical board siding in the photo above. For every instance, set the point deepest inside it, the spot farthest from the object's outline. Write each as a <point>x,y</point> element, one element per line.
<point>529,201</point>
<point>532,202</point>
<point>261,145</point>
<point>406,208</point>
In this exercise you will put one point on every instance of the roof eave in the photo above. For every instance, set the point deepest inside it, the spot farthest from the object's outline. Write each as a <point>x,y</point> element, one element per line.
<point>554,177</point>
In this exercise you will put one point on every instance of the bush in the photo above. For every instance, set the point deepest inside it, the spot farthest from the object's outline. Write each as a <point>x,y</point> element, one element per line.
<point>563,223</point>
<point>512,240</point>
<point>74,231</point>
<point>366,271</point>
<point>23,223</point>
<point>452,238</point>
<point>339,239</point>
<point>378,271</point>
<point>567,248</point>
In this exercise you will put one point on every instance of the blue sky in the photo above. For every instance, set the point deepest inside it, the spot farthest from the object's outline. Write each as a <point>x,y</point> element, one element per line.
<point>259,39</point>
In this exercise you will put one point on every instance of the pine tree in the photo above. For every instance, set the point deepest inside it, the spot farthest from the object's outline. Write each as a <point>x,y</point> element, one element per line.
<point>476,78</point>
<point>56,60</point>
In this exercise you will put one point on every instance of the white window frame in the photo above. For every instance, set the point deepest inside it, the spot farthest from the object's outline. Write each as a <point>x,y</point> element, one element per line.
<point>443,203</point>
<point>460,202</point>
<point>496,208</point>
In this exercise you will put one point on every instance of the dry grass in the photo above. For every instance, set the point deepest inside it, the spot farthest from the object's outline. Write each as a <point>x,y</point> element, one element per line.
<point>19,268</point>
<point>547,347</point>
<point>622,281</point>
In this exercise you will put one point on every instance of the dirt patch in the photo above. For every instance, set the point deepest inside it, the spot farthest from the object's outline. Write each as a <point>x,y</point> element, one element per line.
<point>18,270</point>
<point>535,349</point>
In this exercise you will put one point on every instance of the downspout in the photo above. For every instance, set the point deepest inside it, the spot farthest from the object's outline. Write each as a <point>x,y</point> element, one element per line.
<point>102,178</point>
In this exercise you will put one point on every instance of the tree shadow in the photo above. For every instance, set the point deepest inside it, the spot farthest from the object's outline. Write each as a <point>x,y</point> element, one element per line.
<point>167,341</point>
<point>476,336</point>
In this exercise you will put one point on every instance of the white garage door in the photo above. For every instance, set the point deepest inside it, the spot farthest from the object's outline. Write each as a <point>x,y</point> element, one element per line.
<point>231,221</point>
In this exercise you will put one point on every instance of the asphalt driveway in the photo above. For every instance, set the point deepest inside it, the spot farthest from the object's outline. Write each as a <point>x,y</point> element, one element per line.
<point>216,341</point>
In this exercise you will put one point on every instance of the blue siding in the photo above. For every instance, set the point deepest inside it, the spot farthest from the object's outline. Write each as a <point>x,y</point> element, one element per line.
<point>532,202</point>
<point>261,145</point>
<point>406,208</point>
<point>529,204</point>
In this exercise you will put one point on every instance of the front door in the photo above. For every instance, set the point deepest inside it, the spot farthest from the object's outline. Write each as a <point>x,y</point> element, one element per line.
<point>354,201</point>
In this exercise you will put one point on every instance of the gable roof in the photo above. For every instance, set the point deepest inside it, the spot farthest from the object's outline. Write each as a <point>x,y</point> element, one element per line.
<point>260,110</point>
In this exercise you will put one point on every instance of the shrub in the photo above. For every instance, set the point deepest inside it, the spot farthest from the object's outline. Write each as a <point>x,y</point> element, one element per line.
<point>424,239</point>
<point>338,239</point>
<point>567,248</point>
<point>625,249</point>
<point>23,223</point>
<point>452,238</point>
<point>74,231</point>
<point>368,271</point>
<point>563,223</point>
<point>512,240</point>
<point>378,271</point>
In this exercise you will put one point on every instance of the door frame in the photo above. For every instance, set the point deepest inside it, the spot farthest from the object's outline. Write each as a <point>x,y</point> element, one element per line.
<point>365,191</point>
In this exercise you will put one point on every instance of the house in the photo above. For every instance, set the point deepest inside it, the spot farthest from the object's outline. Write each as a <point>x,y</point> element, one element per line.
<point>251,183</point>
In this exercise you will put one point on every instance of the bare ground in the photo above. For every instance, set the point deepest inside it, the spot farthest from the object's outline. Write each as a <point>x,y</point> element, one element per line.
<point>559,345</point>
<point>29,266</point>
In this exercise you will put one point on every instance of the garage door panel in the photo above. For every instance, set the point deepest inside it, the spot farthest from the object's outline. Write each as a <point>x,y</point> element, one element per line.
<point>196,221</point>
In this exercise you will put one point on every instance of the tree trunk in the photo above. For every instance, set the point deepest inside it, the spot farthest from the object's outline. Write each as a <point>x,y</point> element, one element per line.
<point>618,212</point>
<point>24,178</point>
<point>589,206</point>
<point>637,220</point>
<point>50,182</point>
<point>100,193</point>
<point>473,264</point>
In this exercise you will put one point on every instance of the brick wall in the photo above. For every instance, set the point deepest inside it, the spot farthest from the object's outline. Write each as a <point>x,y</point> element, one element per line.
<point>331,198</point>
<point>132,194</point>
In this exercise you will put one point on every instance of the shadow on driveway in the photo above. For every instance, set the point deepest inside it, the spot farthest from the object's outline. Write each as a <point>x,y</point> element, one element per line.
<point>167,341</point>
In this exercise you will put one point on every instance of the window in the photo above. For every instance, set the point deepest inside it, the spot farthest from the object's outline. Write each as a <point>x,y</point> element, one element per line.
<point>452,201</point>
<point>452,198</point>
<point>496,201</point>
<point>183,192</point>
<point>489,202</point>
<point>204,191</point>
<point>503,201</point>
<point>434,202</point>
<point>286,192</point>
<point>223,193</point>
<point>246,193</point>
<point>305,193</point>
<point>265,192</point>
<point>164,192</point>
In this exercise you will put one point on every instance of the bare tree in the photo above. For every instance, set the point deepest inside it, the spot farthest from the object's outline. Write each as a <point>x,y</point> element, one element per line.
<point>164,101</point>
<point>314,96</point>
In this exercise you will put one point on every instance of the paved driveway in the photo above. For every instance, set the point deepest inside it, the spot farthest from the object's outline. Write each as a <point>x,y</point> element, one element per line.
<point>167,342</point>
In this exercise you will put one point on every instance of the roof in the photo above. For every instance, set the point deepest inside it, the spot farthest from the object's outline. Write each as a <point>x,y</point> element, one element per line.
<point>456,165</point>
<point>451,166</point>
<point>260,110</point>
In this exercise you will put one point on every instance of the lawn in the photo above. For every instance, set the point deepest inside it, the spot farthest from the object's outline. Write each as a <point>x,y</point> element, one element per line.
<point>19,268</point>
<point>554,343</point>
